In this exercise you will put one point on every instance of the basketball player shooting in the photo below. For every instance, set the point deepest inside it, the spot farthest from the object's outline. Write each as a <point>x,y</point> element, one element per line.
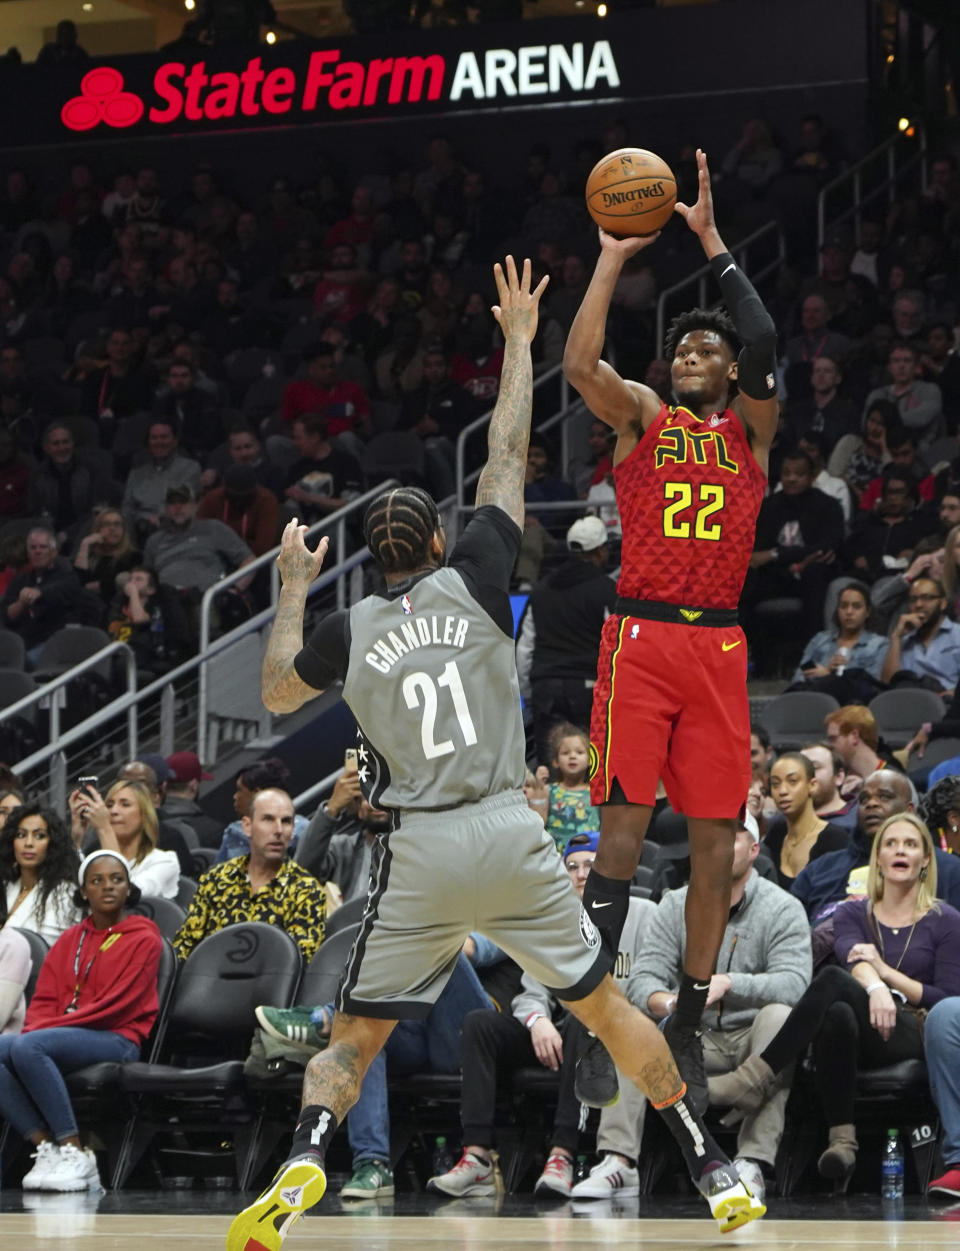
<point>428,671</point>
<point>670,700</point>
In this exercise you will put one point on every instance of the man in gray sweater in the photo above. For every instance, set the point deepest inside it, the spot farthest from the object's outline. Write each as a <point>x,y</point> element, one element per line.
<point>763,967</point>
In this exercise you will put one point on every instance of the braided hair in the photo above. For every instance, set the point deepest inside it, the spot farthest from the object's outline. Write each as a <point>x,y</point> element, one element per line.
<point>398,527</point>
<point>941,800</point>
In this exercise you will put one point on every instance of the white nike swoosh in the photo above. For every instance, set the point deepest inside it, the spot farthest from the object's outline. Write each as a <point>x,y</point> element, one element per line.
<point>727,270</point>
<point>602,905</point>
<point>697,986</point>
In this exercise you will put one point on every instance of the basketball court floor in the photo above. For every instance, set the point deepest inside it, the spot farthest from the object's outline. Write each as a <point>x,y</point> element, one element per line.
<point>178,1220</point>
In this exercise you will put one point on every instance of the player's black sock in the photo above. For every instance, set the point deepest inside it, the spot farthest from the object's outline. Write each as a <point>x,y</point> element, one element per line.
<point>691,1001</point>
<point>700,1151</point>
<point>605,901</point>
<point>316,1127</point>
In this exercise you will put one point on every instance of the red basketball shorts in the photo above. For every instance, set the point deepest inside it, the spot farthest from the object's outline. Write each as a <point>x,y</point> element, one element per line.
<point>671,703</point>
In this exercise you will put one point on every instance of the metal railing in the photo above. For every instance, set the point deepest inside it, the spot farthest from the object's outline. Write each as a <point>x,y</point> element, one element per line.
<point>699,278</point>
<point>882,162</point>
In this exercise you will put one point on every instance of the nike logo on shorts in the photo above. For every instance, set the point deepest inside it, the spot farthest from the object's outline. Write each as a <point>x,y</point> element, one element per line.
<point>596,904</point>
<point>728,647</point>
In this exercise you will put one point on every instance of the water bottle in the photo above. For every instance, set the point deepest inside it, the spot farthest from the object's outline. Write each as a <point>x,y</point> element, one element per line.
<point>443,1160</point>
<point>843,653</point>
<point>580,1170</point>
<point>156,634</point>
<point>891,1167</point>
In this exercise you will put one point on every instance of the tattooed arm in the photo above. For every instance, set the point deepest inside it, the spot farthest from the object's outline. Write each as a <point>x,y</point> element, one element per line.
<point>283,688</point>
<point>502,479</point>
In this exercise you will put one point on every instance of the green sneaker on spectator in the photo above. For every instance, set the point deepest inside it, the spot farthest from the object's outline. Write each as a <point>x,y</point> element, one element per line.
<point>294,1026</point>
<point>372,1179</point>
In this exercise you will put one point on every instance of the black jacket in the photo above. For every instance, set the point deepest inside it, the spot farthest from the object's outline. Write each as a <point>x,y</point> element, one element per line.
<point>566,613</point>
<point>818,525</point>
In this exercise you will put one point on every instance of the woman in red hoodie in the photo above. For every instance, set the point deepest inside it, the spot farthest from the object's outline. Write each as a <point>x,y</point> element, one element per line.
<point>95,1001</point>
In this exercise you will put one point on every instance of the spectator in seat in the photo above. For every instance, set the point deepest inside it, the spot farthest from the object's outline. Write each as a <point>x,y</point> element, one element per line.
<point>268,774</point>
<point>15,968</point>
<point>38,869</point>
<point>126,824</point>
<point>815,339</point>
<point>940,363</point>
<point>766,963</point>
<point>14,477</point>
<point>193,410</point>
<point>252,256</point>
<point>147,485</point>
<point>829,777</point>
<point>902,447</point>
<point>171,835</point>
<point>536,1031</point>
<point>149,620</point>
<point>925,644</point>
<point>814,446</point>
<point>249,509</point>
<point>564,805</point>
<point>476,363</point>
<point>118,390</point>
<point>853,735</point>
<point>345,405</point>
<point>858,459</point>
<point>798,835</point>
<point>846,661</point>
<point>184,775</point>
<point>899,938</point>
<point>243,447</point>
<point>883,541</point>
<point>95,1001</point>
<point>357,228</point>
<point>341,293</point>
<point>799,533</point>
<point>325,478</point>
<point>437,410</point>
<point>105,552</point>
<point>263,885</point>
<point>559,636</point>
<point>64,488</point>
<point>230,326</point>
<point>192,554</point>
<point>919,403</point>
<point>41,599</point>
<point>337,844</point>
<point>64,50</point>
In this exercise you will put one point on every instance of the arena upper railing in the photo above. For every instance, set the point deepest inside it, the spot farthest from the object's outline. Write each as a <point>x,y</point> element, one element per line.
<point>874,176</point>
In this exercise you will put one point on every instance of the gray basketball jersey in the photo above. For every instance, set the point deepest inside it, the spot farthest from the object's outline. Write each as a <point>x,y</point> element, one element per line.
<point>432,682</point>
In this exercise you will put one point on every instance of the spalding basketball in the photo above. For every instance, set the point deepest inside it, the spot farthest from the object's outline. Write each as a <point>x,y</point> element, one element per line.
<point>631,192</point>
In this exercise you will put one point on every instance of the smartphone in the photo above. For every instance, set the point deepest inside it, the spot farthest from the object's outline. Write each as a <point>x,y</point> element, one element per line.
<point>88,782</point>
<point>350,758</point>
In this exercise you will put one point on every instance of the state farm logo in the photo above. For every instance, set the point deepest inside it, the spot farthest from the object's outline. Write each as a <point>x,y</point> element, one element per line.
<point>102,99</point>
<point>183,93</point>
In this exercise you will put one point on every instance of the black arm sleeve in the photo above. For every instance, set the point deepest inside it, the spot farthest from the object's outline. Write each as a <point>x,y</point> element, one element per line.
<point>757,363</point>
<point>323,658</point>
<point>485,556</point>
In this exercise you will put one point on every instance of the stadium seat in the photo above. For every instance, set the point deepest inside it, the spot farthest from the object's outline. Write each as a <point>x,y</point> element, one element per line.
<point>185,892</point>
<point>197,1080</point>
<point>394,454</point>
<point>900,713</point>
<point>793,719</point>
<point>70,646</point>
<point>937,752</point>
<point>349,913</point>
<point>13,652</point>
<point>166,915</point>
<point>38,953</point>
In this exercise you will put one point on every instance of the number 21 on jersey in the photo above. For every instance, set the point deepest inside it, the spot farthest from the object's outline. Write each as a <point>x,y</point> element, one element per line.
<point>420,689</point>
<point>678,497</point>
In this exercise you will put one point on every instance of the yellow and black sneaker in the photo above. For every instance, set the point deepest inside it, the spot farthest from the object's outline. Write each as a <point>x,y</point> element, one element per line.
<point>262,1226</point>
<point>732,1203</point>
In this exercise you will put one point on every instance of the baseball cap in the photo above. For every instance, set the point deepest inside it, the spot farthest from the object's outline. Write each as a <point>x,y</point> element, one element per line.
<point>586,535</point>
<point>586,840</point>
<point>158,764</point>
<point>181,492</point>
<point>186,768</point>
<point>748,822</point>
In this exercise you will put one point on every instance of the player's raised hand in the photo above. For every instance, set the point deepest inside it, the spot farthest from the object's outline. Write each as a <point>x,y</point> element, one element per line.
<point>297,564</point>
<point>700,217</point>
<point>625,248</point>
<point>518,309</point>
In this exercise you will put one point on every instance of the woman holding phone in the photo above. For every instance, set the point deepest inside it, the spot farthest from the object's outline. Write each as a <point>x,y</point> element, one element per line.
<point>125,822</point>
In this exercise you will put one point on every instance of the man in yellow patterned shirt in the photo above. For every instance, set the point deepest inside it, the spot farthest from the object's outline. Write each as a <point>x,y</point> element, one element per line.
<point>261,886</point>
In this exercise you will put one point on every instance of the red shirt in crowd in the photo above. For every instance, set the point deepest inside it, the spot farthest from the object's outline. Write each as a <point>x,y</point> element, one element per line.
<point>116,972</point>
<point>344,405</point>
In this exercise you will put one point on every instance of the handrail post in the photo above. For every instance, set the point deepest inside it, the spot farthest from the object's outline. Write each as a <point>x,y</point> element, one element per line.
<point>58,781</point>
<point>132,724</point>
<point>168,711</point>
<point>341,556</point>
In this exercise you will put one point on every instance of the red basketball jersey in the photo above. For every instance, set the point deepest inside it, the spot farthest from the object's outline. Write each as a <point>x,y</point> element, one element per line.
<point>688,496</point>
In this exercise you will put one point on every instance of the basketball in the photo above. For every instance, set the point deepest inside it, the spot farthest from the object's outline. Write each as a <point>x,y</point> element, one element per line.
<point>631,192</point>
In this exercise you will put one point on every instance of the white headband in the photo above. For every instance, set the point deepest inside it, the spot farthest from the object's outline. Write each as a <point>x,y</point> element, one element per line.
<point>88,860</point>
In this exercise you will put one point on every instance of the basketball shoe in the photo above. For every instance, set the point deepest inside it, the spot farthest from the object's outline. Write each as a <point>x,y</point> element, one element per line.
<point>262,1226</point>
<point>732,1203</point>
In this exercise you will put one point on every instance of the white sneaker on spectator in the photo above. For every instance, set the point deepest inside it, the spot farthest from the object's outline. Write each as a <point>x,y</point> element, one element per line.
<point>752,1175</point>
<point>46,1155</point>
<point>76,1169</point>
<point>611,1176</point>
<point>469,1176</point>
<point>557,1176</point>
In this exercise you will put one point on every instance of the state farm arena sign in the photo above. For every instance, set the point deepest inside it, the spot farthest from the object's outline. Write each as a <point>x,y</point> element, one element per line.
<point>302,83</point>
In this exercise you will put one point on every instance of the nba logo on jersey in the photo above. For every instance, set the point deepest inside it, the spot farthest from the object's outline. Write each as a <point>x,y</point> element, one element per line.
<point>634,631</point>
<point>406,605</point>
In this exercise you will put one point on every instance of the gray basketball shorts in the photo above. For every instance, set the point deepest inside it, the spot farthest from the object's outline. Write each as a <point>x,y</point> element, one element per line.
<point>489,868</point>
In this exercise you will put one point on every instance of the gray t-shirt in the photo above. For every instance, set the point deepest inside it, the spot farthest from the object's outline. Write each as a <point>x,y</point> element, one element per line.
<point>428,671</point>
<point>196,556</point>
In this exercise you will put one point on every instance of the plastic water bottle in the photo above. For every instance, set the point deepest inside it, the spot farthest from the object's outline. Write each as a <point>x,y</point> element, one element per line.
<point>843,653</point>
<point>443,1160</point>
<point>891,1167</point>
<point>580,1170</point>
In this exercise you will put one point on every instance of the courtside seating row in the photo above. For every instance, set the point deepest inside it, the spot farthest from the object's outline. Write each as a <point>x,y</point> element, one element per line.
<point>190,1096</point>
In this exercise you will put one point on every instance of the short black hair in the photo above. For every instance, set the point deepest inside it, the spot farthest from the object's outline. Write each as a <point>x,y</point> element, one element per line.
<point>797,453</point>
<point>263,775</point>
<point>398,527</point>
<point>702,319</point>
<point>760,733</point>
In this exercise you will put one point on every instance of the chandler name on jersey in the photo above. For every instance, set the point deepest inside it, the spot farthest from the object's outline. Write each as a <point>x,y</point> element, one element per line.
<point>688,495</point>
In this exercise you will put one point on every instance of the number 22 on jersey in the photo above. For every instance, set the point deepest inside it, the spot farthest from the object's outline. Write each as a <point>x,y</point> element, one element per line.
<point>678,497</point>
<point>420,689</point>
